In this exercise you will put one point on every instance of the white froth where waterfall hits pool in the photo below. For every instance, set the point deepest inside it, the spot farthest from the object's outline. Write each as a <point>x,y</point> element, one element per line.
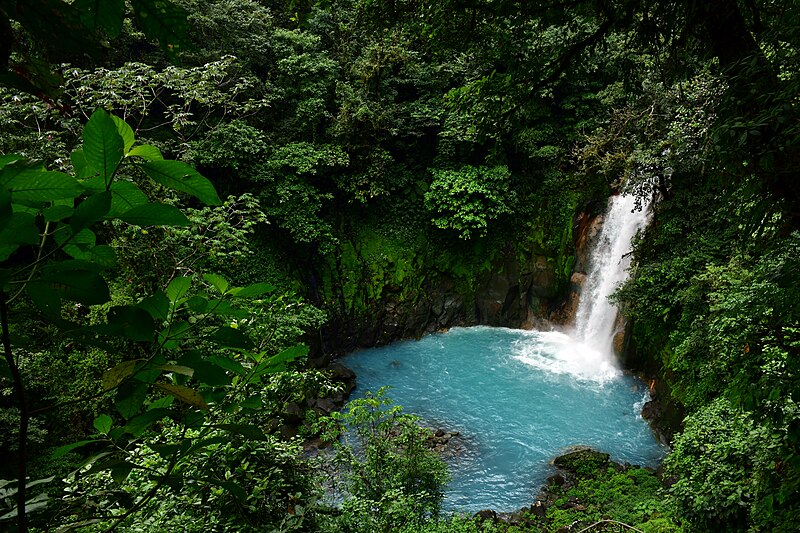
<point>518,399</point>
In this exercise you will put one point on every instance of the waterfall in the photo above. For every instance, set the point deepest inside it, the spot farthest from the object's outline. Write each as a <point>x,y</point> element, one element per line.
<point>608,265</point>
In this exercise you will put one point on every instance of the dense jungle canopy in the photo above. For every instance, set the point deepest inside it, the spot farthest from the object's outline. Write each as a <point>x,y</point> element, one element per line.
<point>204,201</point>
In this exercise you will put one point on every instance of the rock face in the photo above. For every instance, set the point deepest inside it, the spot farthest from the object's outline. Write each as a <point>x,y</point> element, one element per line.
<point>512,292</point>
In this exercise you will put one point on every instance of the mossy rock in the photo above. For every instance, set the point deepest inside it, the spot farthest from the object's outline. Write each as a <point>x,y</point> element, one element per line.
<point>584,462</point>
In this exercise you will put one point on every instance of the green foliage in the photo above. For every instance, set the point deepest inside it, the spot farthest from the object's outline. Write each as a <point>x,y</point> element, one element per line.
<point>393,480</point>
<point>468,199</point>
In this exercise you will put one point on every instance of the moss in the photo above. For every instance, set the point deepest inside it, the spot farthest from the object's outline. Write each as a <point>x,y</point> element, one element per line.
<point>583,463</point>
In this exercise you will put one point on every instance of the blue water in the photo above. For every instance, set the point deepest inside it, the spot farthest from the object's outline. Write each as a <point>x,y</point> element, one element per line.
<point>518,398</point>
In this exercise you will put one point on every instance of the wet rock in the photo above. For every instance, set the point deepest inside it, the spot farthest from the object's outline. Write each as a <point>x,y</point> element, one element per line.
<point>344,375</point>
<point>556,480</point>
<point>486,514</point>
<point>293,413</point>
<point>538,508</point>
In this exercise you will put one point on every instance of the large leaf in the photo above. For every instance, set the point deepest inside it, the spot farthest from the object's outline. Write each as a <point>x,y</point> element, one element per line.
<point>219,283</point>
<point>80,165</point>
<point>74,280</point>
<point>103,146</point>
<point>125,195</point>
<point>185,394</point>
<point>20,229</point>
<point>32,185</point>
<point>130,397</point>
<point>63,450</point>
<point>251,291</point>
<point>155,215</point>
<point>137,425</point>
<point>178,287</point>
<point>157,305</point>
<point>233,338</point>
<point>146,151</point>
<point>119,373</point>
<point>182,177</point>
<point>163,20</point>
<point>125,131</point>
<point>130,321</point>
<point>91,210</point>
<point>102,424</point>
<point>106,15</point>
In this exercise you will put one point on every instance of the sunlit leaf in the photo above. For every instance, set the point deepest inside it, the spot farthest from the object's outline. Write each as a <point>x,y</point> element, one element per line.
<point>155,215</point>
<point>103,146</point>
<point>182,177</point>
<point>184,394</point>
<point>118,374</point>
<point>102,424</point>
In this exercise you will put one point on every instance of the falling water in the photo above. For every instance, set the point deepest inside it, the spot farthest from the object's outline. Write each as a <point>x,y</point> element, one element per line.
<point>608,265</point>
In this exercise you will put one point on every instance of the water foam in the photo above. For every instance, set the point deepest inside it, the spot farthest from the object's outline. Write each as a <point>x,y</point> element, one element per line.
<point>559,353</point>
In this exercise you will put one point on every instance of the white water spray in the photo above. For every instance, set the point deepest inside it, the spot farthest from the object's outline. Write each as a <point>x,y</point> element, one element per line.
<point>587,354</point>
<point>608,268</point>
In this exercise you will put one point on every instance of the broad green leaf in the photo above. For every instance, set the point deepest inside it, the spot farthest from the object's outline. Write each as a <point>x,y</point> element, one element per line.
<point>155,215</point>
<point>169,336</point>
<point>278,362</point>
<point>228,364</point>
<point>104,255</point>
<point>43,186</point>
<point>197,304</point>
<point>177,369</point>
<point>165,22</point>
<point>73,280</point>
<point>106,15</point>
<point>132,322</point>
<point>118,374</point>
<point>81,166</point>
<point>130,397</point>
<point>233,338</point>
<point>20,229</point>
<point>137,425</point>
<point>7,159</point>
<point>246,430</point>
<point>102,424</point>
<point>179,176</point>
<point>157,305</point>
<point>63,450</point>
<point>204,372</point>
<point>91,210</point>
<point>251,291</point>
<point>225,308</point>
<point>119,473</point>
<point>178,287</point>
<point>80,245</point>
<point>125,131</point>
<point>19,169</point>
<point>57,213</point>
<point>125,195</point>
<point>146,151</point>
<point>103,146</point>
<point>217,281</point>
<point>184,394</point>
